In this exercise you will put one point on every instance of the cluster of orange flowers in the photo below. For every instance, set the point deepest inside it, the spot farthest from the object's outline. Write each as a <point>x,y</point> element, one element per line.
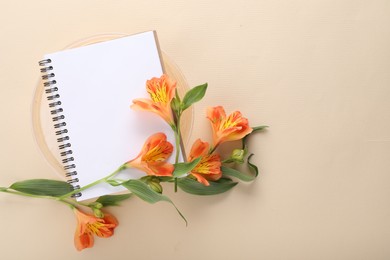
<point>202,173</point>
<point>157,149</point>
<point>154,154</point>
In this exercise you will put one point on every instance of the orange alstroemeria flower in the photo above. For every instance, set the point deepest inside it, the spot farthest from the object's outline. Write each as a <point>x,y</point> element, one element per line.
<point>89,225</point>
<point>161,91</point>
<point>209,167</point>
<point>153,155</point>
<point>231,128</point>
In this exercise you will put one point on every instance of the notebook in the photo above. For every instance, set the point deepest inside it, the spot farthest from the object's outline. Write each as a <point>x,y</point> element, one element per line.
<point>89,92</point>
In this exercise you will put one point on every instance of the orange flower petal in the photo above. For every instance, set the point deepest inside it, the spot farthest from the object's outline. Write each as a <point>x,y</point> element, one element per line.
<point>201,179</point>
<point>148,105</point>
<point>161,91</point>
<point>155,151</point>
<point>209,167</point>
<point>231,128</point>
<point>158,152</point>
<point>83,240</point>
<point>216,115</point>
<point>161,168</point>
<point>199,148</point>
<point>89,225</point>
<point>110,219</point>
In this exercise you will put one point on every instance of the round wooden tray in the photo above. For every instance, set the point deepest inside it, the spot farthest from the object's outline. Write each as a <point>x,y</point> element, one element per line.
<point>43,126</point>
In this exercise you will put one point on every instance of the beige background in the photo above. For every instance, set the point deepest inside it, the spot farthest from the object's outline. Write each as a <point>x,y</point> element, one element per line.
<point>317,72</point>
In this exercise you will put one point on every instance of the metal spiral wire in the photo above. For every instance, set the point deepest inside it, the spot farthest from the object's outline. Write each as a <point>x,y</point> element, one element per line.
<point>52,94</point>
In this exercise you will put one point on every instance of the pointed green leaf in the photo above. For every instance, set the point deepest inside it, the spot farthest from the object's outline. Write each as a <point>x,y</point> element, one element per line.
<point>183,168</point>
<point>253,167</point>
<point>43,187</point>
<point>224,179</point>
<point>194,95</point>
<point>192,186</point>
<point>112,200</point>
<point>144,192</point>
<point>227,171</point>
<point>259,128</point>
<point>237,174</point>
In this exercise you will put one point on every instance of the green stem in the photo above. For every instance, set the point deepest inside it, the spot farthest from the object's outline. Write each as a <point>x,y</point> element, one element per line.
<point>175,184</point>
<point>102,180</point>
<point>7,190</point>
<point>64,197</point>
<point>176,130</point>
<point>178,145</point>
<point>177,140</point>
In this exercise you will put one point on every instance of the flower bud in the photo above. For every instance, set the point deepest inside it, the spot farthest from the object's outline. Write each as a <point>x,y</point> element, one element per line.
<point>96,205</point>
<point>155,186</point>
<point>238,155</point>
<point>98,213</point>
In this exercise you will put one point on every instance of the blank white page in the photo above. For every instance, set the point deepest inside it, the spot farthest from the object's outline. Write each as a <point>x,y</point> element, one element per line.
<point>97,84</point>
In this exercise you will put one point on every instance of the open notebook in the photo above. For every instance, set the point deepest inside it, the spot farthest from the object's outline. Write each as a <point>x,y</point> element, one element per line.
<point>89,91</point>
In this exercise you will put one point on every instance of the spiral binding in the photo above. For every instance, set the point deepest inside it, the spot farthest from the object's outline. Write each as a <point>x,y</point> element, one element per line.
<point>53,96</point>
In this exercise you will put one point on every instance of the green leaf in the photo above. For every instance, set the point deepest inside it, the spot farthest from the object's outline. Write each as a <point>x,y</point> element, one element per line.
<point>194,95</point>
<point>183,168</point>
<point>112,200</point>
<point>43,187</point>
<point>165,178</point>
<point>237,174</point>
<point>144,192</point>
<point>259,128</point>
<point>192,186</point>
<point>252,167</point>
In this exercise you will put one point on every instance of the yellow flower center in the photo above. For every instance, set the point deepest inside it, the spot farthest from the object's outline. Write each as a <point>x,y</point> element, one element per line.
<point>204,166</point>
<point>229,122</point>
<point>155,154</point>
<point>159,94</point>
<point>96,228</point>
